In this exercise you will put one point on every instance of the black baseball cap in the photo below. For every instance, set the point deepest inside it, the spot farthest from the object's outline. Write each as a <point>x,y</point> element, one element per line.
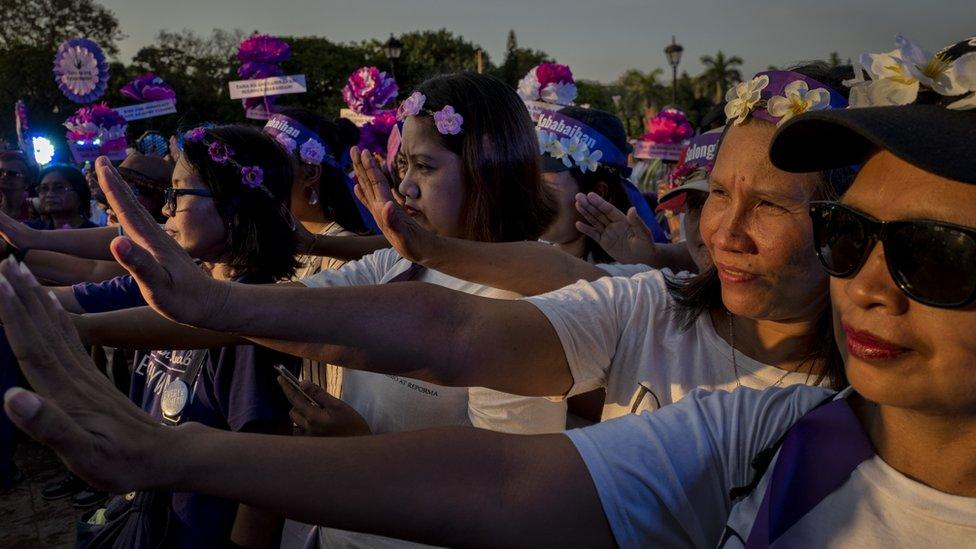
<point>925,134</point>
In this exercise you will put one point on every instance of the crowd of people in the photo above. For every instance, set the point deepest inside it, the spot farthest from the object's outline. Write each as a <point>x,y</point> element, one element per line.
<point>276,338</point>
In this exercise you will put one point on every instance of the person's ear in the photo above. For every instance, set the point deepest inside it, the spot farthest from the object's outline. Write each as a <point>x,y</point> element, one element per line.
<point>602,189</point>
<point>310,175</point>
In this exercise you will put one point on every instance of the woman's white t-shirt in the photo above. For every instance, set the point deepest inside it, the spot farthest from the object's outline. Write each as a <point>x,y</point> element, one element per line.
<point>392,404</point>
<point>622,334</point>
<point>664,478</point>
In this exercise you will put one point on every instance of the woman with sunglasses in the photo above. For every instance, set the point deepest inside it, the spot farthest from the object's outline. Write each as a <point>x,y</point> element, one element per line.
<point>888,462</point>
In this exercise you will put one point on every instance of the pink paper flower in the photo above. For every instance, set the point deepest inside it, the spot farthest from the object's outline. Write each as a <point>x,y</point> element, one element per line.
<point>411,106</point>
<point>553,73</point>
<point>368,90</point>
<point>447,121</point>
<point>668,126</point>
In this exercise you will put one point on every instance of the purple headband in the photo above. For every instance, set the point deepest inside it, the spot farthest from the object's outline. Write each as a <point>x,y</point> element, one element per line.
<point>777,96</point>
<point>293,135</point>
<point>572,141</point>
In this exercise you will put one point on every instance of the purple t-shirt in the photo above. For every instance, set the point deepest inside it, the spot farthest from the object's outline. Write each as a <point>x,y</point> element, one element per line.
<point>120,292</point>
<point>236,389</point>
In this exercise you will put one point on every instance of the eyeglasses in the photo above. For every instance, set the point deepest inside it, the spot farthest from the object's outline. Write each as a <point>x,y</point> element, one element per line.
<point>57,188</point>
<point>170,195</point>
<point>932,262</point>
<point>11,174</point>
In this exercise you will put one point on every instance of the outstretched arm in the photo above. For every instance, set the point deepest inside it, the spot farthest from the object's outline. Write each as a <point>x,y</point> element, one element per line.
<point>452,486</point>
<point>144,328</point>
<point>527,268</point>
<point>415,329</point>
<point>64,269</point>
<point>87,243</point>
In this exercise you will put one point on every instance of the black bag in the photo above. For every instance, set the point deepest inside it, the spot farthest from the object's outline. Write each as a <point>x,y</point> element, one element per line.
<point>137,520</point>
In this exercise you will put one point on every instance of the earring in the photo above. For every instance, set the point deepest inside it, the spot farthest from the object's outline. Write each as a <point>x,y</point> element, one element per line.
<point>313,198</point>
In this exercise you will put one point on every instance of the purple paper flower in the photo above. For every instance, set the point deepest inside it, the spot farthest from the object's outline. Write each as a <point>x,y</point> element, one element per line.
<point>96,122</point>
<point>411,106</point>
<point>219,152</point>
<point>553,73</point>
<point>288,143</point>
<point>252,176</point>
<point>447,121</point>
<point>81,70</point>
<point>312,152</point>
<point>263,49</point>
<point>148,87</point>
<point>195,135</point>
<point>376,133</point>
<point>368,90</point>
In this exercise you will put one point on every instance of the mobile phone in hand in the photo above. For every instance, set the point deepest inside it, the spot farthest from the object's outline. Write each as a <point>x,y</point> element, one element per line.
<point>293,381</point>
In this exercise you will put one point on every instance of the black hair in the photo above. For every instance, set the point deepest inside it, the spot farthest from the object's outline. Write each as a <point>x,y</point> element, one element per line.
<point>262,242</point>
<point>78,183</point>
<point>335,197</point>
<point>702,293</point>
<point>31,176</point>
<point>504,196</point>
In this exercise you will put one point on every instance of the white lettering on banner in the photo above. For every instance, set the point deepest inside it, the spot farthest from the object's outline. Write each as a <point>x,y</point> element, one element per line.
<point>276,85</point>
<point>696,152</point>
<point>546,121</point>
<point>147,110</point>
<point>283,126</point>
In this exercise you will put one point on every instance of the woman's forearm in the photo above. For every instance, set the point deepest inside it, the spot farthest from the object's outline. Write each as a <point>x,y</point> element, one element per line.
<point>64,269</point>
<point>87,243</point>
<point>411,328</point>
<point>346,248</point>
<point>526,268</point>
<point>451,486</point>
<point>143,328</point>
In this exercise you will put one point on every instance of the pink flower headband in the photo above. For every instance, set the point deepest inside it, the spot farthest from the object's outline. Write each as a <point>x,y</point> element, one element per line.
<point>448,121</point>
<point>251,176</point>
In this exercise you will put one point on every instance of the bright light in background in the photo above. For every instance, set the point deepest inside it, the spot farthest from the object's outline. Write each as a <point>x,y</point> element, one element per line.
<point>43,150</point>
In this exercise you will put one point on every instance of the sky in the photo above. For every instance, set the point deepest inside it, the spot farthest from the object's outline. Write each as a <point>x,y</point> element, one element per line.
<point>598,39</point>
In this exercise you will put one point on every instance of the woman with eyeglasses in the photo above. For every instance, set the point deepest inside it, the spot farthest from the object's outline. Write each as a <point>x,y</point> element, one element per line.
<point>65,198</point>
<point>888,462</point>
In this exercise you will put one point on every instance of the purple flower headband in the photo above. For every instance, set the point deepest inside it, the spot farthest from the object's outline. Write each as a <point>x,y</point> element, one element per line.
<point>289,132</point>
<point>777,96</point>
<point>251,176</point>
<point>448,121</point>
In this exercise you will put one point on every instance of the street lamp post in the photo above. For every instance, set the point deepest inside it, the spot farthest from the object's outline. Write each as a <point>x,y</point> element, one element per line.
<point>393,48</point>
<point>673,51</point>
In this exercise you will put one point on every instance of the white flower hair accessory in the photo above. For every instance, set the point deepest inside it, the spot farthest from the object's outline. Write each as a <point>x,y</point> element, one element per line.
<point>569,150</point>
<point>899,77</point>
<point>742,99</point>
<point>797,98</point>
<point>447,120</point>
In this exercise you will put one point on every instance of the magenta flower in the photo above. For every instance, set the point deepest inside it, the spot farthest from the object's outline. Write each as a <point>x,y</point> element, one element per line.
<point>96,122</point>
<point>411,106</point>
<point>195,135</point>
<point>368,90</point>
<point>219,152</point>
<point>668,126</point>
<point>447,121</point>
<point>553,73</point>
<point>148,87</point>
<point>263,49</point>
<point>375,134</point>
<point>252,176</point>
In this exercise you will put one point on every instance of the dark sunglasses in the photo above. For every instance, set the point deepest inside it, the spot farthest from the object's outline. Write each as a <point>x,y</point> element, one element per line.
<point>170,195</point>
<point>932,262</point>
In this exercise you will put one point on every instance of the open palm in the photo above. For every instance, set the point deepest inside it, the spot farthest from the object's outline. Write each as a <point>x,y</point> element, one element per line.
<point>625,237</point>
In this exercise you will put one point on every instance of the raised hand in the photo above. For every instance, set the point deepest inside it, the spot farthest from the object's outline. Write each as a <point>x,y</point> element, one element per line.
<point>327,416</point>
<point>168,278</point>
<point>625,237</point>
<point>408,238</point>
<point>98,433</point>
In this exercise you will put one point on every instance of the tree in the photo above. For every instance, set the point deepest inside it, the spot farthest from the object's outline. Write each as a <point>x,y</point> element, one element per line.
<point>518,61</point>
<point>639,91</point>
<point>44,24</point>
<point>834,60</point>
<point>721,73</point>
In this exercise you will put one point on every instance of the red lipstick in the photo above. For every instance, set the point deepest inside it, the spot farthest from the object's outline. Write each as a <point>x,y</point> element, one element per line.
<point>867,346</point>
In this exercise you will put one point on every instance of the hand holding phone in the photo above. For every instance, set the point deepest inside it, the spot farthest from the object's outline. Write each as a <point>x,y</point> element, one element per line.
<point>293,381</point>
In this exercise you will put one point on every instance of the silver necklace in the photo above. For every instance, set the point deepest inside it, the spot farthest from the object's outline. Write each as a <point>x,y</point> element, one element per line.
<point>735,366</point>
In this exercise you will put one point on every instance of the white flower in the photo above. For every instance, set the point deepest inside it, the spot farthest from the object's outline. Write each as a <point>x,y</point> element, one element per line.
<point>965,69</point>
<point>933,71</point>
<point>545,139</point>
<point>528,87</point>
<point>742,99</point>
<point>589,160</point>
<point>799,98</point>
<point>559,93</point>
<point>555,149</point>
<point>572,147</point>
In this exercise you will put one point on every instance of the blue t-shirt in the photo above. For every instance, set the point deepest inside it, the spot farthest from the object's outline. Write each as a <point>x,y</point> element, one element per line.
<point>120,292</point>
<point>236,389</point>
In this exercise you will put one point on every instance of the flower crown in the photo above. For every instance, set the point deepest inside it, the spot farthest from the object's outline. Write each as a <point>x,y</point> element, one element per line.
<point>777,96</point>
<point>251,176</point>
<point>448,121</point>
<point>550,83</point>
<point>898,77</point>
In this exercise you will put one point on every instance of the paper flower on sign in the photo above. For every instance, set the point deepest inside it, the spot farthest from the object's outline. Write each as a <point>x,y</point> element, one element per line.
<point>798,99</point>
<point>743,98</point>
<point>897,77</point>
<point>368,90</point>
<point>411,106</point>
<point>447,121</point>
<point>312,152</point>
<point>260,56</point>
<point>375,134</point>
<point>148,87</point>
<point>81,70</point>
<point>668,126</point>
<point>97,125</point>
<point>549,82</point>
